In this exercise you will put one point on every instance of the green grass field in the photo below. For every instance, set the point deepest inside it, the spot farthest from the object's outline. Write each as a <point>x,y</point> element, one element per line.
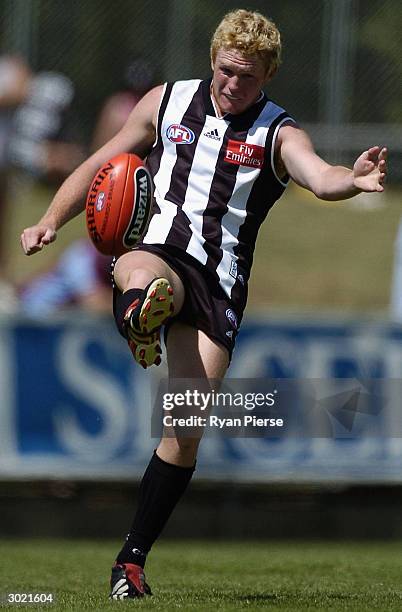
<point>209,576</point>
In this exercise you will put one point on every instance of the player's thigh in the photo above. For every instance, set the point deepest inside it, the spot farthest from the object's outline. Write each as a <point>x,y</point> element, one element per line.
<point>202,363</point>
<point>138,268</point>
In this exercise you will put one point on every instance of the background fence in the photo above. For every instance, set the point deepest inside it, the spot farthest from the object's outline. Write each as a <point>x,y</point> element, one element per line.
<point>342,63</point>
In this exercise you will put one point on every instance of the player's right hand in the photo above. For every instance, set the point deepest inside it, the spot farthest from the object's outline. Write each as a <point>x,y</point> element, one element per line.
<point>34,238</point>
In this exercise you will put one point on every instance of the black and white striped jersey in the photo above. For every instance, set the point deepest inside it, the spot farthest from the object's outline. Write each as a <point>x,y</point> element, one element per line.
<point>214,178</point>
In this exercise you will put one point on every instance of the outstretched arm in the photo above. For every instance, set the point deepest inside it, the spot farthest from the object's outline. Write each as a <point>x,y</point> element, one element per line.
<point>136,136</point>
<point>296,153</point>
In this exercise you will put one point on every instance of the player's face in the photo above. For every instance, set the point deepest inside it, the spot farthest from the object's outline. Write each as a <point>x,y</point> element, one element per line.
<point>237,80</point>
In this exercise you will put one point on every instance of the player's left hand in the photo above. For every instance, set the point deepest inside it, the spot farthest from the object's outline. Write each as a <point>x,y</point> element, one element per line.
<point>370,170</point>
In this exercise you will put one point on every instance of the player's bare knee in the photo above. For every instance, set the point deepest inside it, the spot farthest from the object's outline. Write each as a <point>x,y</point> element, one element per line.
<point>129,273</point>
<point>139,278</point>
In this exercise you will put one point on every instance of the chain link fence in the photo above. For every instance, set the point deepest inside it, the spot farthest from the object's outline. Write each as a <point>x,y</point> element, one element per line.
<point>340,78</point>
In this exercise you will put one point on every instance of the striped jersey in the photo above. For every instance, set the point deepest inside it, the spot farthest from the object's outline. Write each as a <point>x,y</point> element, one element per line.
<point>214,178</point>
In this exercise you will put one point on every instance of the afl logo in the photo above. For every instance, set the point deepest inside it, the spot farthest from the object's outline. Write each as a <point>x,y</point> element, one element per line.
<point>100,201</point>
<point>180,134</point>
<point>231,316</point>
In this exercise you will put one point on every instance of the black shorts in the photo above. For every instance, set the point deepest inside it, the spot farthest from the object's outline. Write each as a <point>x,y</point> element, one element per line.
<point>206,306</point>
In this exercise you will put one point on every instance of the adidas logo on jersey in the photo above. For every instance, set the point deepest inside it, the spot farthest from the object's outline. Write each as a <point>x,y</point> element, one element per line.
<point>214,134</point>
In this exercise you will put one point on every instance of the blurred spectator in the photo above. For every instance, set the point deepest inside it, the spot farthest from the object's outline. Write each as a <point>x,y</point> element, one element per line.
<point>80,278</point>
<point>40,143</point>
<point>14,81</point>
<point>138,78</point>
<point>43,147</point>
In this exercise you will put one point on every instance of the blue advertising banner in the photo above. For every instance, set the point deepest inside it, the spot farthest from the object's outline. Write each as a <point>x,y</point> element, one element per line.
<point>74,405</point>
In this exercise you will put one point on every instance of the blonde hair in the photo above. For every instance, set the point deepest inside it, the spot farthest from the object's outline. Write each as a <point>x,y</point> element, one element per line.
<point>250,33</point>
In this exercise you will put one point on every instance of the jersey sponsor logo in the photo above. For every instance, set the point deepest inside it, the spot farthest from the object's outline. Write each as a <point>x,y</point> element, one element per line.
<point>231,317</point>
<point>244,154</point>
<point>214,134</point>
<point>180,134</point>
<point>230,334</point>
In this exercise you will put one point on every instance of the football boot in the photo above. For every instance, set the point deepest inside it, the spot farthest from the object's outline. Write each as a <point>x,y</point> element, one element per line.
<point>144,319</point>
<point>128,582</point>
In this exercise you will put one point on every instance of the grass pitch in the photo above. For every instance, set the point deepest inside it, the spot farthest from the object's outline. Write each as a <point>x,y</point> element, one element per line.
<point>210,576</point>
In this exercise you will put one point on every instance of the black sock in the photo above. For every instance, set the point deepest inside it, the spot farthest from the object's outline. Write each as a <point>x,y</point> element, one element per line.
<point>161,488</point>
<point>121,301</point>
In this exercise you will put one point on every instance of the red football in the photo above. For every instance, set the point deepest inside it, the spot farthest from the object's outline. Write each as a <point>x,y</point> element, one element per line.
<point>118,204</point>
